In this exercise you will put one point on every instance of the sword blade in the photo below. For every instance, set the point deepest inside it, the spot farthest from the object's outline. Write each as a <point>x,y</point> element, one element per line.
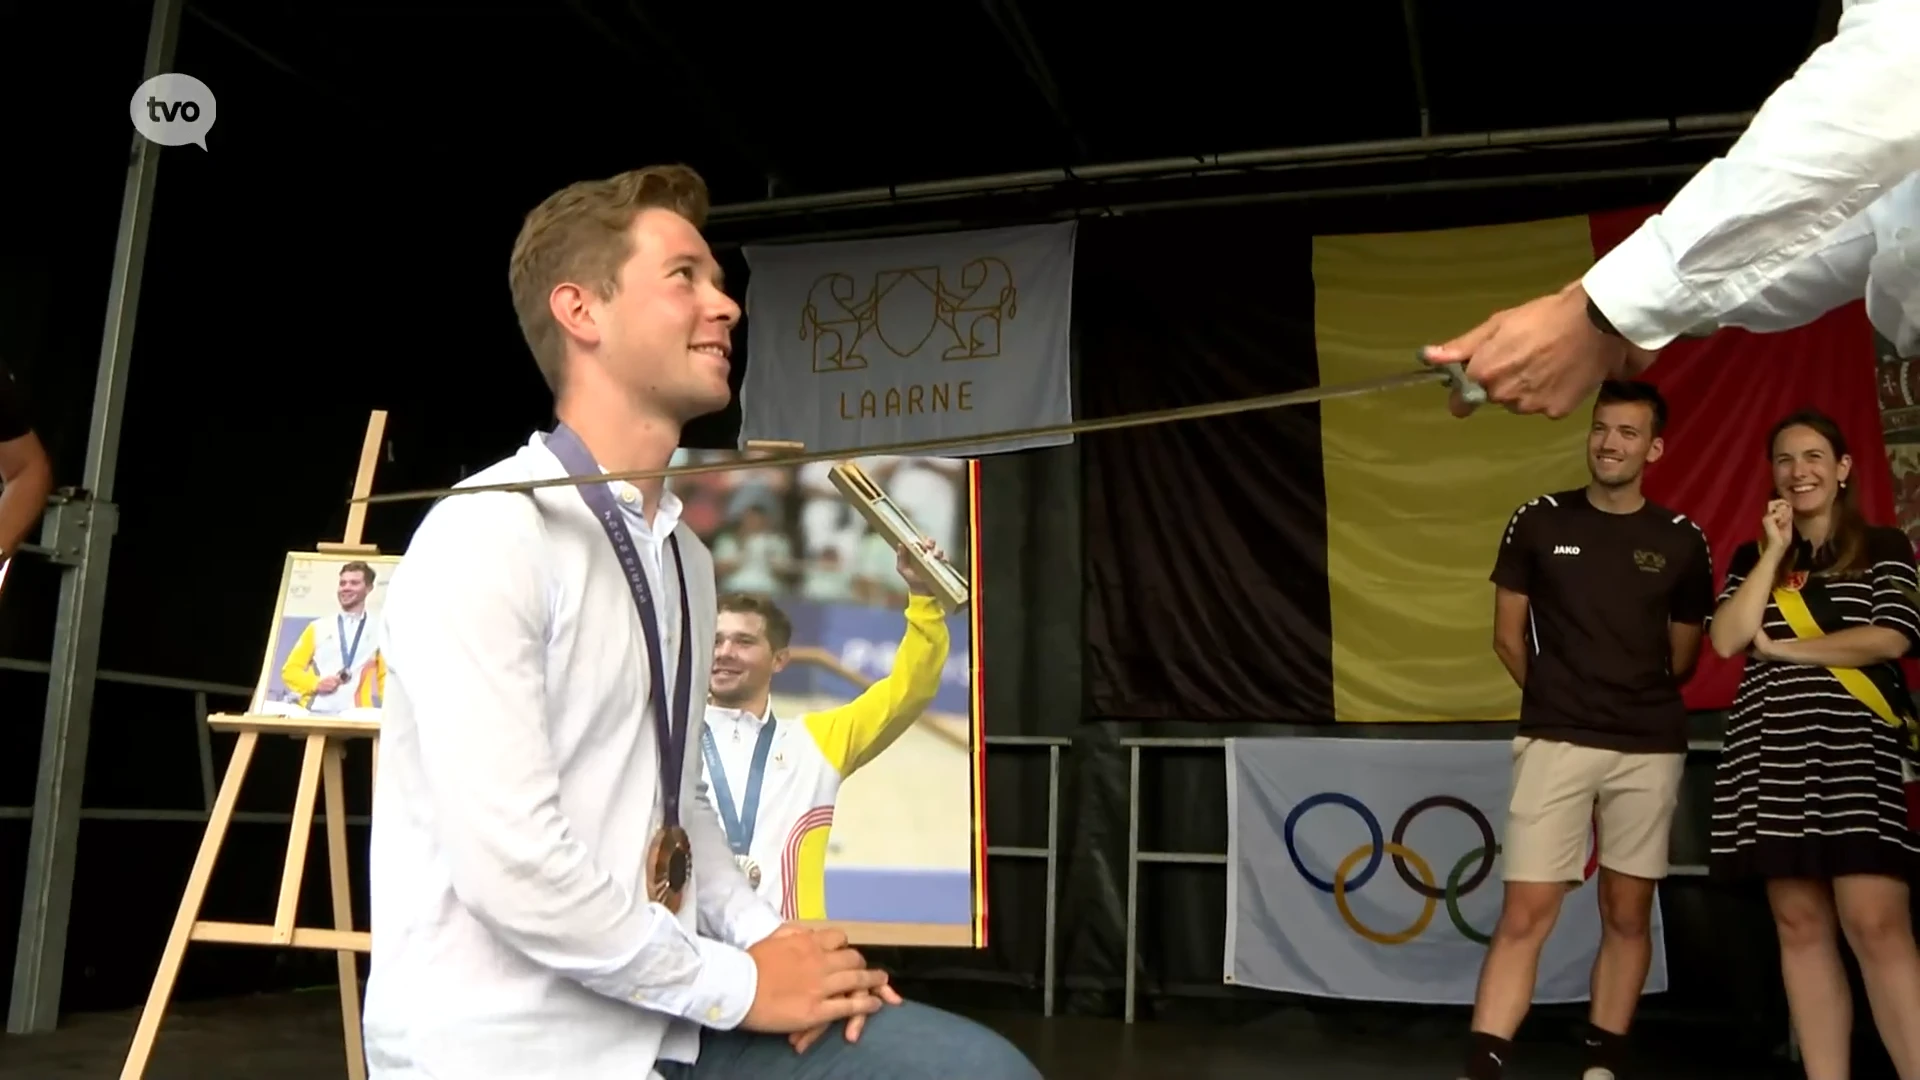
<point>1312,395</point>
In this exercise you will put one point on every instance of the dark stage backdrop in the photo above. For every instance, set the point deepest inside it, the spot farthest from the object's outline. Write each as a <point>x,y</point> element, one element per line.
<point>293,286</point>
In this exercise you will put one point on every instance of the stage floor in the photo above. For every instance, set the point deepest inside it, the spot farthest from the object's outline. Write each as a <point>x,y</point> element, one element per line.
<point>297,1037</point>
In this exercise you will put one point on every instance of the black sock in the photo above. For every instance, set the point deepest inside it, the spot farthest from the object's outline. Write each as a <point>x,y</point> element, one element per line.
<point>1605,1049</point>
<point>1487,1057</point>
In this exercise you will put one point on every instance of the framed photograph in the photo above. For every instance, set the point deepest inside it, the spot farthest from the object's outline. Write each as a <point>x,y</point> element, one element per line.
<point>324,646</point>
<point>867,812</point>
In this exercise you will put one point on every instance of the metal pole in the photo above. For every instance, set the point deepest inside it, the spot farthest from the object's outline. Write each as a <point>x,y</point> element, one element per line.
<point>1053,875</point>
<point>1331,154</point>
<point>1113,208</point>
<point>1133,871</point>
<point>203,738</point>
<point>1410,17</point>
<point>40,959</point>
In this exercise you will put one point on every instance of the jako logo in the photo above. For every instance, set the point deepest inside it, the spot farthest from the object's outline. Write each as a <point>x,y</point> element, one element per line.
<point>1566,549</point>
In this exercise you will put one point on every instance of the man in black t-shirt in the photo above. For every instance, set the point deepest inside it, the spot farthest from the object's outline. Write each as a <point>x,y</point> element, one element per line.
<point>1599,597</point>
<point>26,476</point>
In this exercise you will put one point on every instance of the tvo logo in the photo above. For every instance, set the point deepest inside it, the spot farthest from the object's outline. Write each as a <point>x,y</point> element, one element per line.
<point>173,110</point>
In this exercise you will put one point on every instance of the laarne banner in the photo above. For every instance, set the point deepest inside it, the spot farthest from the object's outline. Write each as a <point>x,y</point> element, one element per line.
<point>1370,869</point>
<point>872,342</point>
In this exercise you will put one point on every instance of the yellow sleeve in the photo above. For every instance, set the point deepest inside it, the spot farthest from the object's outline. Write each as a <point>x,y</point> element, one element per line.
<point>373,686</point>
<point>294,672</point>
<point>855,733</point>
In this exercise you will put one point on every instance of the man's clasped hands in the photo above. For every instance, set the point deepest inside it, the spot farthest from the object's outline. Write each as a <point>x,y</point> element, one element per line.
<point>809,978</point>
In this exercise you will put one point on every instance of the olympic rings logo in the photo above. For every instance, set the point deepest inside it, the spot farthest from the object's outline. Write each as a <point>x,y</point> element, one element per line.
<point>1467,874</point>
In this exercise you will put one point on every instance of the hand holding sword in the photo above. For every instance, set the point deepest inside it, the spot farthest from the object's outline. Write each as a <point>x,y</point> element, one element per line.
<point>1545,355</point>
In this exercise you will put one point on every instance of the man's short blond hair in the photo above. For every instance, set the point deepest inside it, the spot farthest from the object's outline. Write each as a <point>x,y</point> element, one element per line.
<point>579,234</point>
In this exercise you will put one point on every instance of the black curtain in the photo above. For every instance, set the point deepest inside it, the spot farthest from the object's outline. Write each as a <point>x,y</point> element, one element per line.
<point>1206,554</point>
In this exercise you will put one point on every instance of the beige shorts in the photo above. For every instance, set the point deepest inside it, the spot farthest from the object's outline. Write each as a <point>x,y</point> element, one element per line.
<point>1557,788</point>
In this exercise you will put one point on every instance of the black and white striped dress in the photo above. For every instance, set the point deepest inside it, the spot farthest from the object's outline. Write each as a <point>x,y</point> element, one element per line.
<point>1809,783</point>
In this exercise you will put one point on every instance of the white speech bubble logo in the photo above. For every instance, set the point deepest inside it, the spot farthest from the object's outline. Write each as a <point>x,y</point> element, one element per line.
<point>173,110</point>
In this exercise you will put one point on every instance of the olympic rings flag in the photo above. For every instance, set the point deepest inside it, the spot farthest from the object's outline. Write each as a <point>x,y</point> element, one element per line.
<point>1370,869</point>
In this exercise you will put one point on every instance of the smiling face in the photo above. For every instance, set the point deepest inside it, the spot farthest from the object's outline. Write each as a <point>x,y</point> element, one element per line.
<point>613,283</point>
<point>352,590</point>
<point>1621,442</point>
<point>744,659</point>
<point>666,333</point>
<point>1807,473</point>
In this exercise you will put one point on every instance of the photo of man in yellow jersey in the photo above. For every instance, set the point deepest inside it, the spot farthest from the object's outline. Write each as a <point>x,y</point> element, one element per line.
<point>324,656</point>
<point>841,726</point>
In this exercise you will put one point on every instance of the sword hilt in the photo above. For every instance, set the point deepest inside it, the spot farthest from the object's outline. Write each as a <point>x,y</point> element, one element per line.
<point>1456,375</point>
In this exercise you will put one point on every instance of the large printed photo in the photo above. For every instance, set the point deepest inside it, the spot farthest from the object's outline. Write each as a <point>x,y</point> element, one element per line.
<point>843,728</point>
<point>324,649</point>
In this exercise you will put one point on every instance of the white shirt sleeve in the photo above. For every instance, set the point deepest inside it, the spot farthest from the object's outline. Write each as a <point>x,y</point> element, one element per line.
<point>1825,278</point>
<point>1826,144</point>
<point>467,625</point>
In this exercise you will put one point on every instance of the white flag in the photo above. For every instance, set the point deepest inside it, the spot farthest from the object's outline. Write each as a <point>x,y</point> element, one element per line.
<point>1360,868</point>
<point>870,342</point>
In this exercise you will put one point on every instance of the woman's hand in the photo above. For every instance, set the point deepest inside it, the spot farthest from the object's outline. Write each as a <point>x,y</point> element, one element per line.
<point>1766,648</point>
<point>1776,525</point>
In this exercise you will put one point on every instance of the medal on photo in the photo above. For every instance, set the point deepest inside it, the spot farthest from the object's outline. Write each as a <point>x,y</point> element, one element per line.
<point>738,821</point>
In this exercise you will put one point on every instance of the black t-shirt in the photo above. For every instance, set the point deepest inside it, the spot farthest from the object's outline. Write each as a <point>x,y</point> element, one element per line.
<point>1601,589</point>
<point>13,408</point>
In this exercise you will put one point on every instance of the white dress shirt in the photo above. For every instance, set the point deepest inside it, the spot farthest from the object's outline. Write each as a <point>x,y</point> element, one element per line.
<point>517,794</point>
<point>1811,208</point>
<point>332,635</point>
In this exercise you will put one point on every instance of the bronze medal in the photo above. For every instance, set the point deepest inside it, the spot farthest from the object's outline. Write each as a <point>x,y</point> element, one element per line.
<point>669,866</point>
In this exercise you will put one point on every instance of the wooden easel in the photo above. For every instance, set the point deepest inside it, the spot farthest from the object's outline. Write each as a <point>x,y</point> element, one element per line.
<point>325,739</point>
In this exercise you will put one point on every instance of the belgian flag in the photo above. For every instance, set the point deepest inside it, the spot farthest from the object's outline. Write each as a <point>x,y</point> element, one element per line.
<point>1330,563</point>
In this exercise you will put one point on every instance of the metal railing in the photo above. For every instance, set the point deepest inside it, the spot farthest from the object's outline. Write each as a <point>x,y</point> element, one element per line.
<point>209,784</point>
<point>201,689</point>
<point>1051,853</point>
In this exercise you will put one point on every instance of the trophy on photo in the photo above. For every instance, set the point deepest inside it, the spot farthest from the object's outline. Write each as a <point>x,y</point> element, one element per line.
<point>866,496</point>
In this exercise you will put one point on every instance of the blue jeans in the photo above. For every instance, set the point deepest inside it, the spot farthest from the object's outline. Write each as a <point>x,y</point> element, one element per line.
<point>901,1042</point>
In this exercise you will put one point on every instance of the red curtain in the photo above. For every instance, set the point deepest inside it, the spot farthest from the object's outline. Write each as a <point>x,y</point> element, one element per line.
<point>1725,392</point>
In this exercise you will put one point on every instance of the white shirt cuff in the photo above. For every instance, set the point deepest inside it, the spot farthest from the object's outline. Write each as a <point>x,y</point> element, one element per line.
<point>753,926</point>
<point>1636,287</point>
<point>723,991</point>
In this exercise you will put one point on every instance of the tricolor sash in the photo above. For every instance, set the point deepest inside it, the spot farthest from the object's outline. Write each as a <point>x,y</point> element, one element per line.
<point>1793,608</point>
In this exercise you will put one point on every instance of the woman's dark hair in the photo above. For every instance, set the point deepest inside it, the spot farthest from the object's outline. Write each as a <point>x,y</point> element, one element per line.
<point>1845,548</point>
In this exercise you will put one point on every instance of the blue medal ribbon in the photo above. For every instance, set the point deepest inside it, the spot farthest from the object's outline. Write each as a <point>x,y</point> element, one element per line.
<point>347,652</point>
<point>738,823</point>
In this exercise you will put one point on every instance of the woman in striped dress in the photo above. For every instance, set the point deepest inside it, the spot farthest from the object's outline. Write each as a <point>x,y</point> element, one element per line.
<point>1809,792</point>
